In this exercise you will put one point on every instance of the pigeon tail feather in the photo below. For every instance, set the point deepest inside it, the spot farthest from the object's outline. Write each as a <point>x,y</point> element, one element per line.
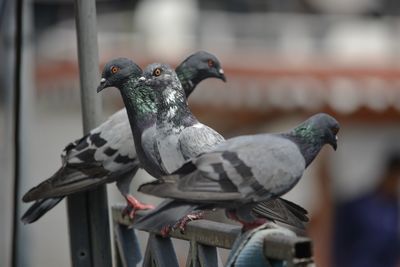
<point>67,180</point>
<point>31,195</point>
<point>166,214</point>
<point>39,208</point>
<point>296,209</point>
<point>282,211</point>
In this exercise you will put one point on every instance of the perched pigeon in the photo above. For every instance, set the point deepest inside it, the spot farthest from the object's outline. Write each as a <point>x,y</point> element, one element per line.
<point>107,153</point>
<point>243,171</point>
<point>178,136</point>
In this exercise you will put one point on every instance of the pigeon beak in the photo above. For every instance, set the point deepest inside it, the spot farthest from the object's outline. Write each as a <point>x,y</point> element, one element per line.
<point>103,84</point>
<point>222,74</point>
<point>334,142</point>
<point>142,79</point>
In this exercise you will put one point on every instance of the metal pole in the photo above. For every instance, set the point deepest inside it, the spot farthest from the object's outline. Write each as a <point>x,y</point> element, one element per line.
<point>88,212</point>
<point>15,259</point>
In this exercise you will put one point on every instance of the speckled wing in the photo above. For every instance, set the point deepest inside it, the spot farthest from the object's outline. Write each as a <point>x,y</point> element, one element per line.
<point>102,156</point>
<point>110,144</point>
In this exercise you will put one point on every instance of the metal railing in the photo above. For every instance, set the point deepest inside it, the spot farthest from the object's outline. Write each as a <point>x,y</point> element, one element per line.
<point>204,237</point>
<point>90,241</point>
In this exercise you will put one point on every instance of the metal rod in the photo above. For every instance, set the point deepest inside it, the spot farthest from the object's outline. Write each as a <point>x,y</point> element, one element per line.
<point>85,18</point>
<point>88,212</point>
<point>17,120</point>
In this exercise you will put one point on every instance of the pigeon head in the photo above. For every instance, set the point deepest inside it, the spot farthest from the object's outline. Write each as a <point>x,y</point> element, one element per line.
<point>320,128</point>
<point>328,127</point>
<point>158,72</point>
<point>170,97</point>
<point>161,77</point>
<point>197,67</point>
<point>206,64</point>
<point>117,71</point>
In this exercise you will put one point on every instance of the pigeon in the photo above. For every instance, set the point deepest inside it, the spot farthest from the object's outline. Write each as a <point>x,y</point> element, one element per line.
<point>243,171</point>
<point>178,136</point>
<point>102,156</point>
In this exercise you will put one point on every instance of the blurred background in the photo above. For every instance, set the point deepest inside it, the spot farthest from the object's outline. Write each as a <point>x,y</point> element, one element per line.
<point>284,60</point>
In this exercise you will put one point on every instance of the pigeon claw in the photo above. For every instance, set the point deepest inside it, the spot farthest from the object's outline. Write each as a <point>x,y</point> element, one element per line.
<point>133,205</point>
<point>165,230</point>
<point>181,224</point>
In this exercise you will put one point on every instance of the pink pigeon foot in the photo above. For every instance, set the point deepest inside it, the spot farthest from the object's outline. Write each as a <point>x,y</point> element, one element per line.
<point>133,205</point>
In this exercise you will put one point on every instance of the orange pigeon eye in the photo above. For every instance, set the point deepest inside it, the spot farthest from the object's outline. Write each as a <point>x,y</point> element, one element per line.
<point>210,63</point>
<point>114,69</point>
<point>157,72</point>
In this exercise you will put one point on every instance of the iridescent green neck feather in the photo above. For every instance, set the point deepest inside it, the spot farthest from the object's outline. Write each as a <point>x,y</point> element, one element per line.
<point>140,103</point>
<point>309,139</point>
<point>306,132</point>
<point>186,76</point>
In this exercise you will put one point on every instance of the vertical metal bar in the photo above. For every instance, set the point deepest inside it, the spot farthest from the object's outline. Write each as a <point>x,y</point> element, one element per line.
<point>17,127</point>
<point>192,258</point>
<point>127,245</point>
<point>79,233</point>
<point>117,256</point>
<point>17,47</point>
<point>159,252</point>
<point>86,29</point>
<point>207,255</point>
<point>201,255</point>
<point>88,212</point>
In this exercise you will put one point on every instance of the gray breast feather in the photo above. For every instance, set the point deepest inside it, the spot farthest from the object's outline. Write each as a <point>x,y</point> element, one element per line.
<point>198,139</point>
<point>149,144</point>
<point>177,145</point>
<point>169,151</point>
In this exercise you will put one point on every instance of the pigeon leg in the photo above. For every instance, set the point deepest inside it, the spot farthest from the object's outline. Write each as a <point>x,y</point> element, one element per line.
<point>181,224</point>
<point>133,205</point>
<point>166,230</point>
<point>246,225</point>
